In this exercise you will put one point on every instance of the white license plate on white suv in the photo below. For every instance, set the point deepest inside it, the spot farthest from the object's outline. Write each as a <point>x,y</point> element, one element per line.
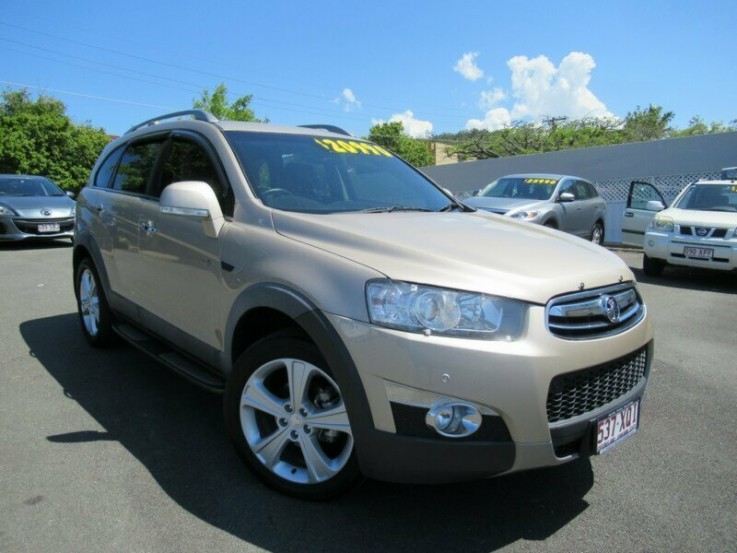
<point>49,227</point>
<point>616,426</point>
<point>698,253</point>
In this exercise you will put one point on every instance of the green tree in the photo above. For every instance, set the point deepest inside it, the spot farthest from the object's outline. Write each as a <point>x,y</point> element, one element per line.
<point>38,138</point>
<point>647,124</point>
<point>392,137</point>
<point>217,104</point>
<point>697,126</point>
<point>531,138</point>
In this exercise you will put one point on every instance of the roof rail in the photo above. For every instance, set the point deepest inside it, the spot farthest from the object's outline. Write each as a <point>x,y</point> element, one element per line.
<point>331,128</point>
<point>196,114</point>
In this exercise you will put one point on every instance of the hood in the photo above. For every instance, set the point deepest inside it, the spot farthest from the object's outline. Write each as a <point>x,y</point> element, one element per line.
<point>503,205</point>
<point>477,252</point>
<point>31,206</point>
<point>697,218</point>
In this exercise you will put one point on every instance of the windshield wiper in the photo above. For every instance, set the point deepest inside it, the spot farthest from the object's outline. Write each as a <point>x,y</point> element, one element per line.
<point>393,208</point>
<point>456,205</point>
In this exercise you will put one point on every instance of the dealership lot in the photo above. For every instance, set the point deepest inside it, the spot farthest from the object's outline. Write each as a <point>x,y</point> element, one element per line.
<point>107,451</point>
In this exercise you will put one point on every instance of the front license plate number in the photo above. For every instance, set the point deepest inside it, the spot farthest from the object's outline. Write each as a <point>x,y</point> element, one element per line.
<point>617,426</point>
<point>50,227</point>
<point>698,253</point>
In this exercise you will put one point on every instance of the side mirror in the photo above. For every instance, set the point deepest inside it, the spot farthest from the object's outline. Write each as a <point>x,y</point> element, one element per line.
<point>566,197</point>
<point>654,205</point>
<point>193,199</point>
<point>71,194</point>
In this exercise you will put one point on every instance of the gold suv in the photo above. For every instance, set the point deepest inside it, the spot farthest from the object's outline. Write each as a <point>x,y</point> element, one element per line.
<point>358,320</point>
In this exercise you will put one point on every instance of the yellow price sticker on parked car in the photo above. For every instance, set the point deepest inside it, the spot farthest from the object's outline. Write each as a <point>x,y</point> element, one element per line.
<point>540,181</point>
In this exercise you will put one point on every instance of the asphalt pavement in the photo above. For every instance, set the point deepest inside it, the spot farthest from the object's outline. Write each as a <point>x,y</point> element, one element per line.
<point>106,451</point>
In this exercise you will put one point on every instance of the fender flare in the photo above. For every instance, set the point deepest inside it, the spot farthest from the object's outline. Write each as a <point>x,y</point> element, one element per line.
<point>322,333</point>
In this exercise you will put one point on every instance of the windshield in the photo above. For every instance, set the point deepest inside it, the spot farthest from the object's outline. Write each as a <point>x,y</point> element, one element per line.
<point>709,197</point>
<point>326,175</point>
<point>19,186</point>
<point>524,188</point>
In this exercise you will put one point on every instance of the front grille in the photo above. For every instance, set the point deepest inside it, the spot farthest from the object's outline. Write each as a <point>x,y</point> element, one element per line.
<point>574,394</point>
<point>30,226</point>
<point>703,232</point>
<point>595,313</point>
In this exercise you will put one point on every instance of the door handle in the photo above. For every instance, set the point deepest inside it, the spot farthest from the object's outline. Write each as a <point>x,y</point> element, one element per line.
<point>629,214</point>
<point>100,208</point>
<point>148,227</point>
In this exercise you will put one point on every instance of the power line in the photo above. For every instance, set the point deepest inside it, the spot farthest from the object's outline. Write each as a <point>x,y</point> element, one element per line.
<point>90,96</point>
<point>218,76</point>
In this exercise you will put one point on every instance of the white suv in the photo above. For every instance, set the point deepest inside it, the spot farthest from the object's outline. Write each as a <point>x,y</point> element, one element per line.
<point>358,319</point>
<point>698,230</point>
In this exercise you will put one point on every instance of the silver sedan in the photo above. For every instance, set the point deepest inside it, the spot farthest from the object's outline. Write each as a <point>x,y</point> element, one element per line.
<point>33,208</point>
<point>564,202</point>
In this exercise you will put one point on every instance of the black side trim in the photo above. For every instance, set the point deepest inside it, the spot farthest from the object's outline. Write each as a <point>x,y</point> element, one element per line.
<point>187,367</point>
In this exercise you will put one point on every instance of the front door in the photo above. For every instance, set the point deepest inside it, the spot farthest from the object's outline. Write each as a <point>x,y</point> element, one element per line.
<point>643,202</point>
<point>185,282</point>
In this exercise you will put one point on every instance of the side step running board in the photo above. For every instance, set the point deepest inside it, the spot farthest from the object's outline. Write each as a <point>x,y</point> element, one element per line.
<point>186,367</point>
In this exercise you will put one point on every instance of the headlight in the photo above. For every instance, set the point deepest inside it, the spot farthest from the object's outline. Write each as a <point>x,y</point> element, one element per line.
<point>661,223</point>
<point>418,308</point>
<point>525,215</point>
<point>5,210</point>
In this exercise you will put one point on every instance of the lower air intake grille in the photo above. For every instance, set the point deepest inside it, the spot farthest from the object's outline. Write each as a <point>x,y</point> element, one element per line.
<point>580,392</point>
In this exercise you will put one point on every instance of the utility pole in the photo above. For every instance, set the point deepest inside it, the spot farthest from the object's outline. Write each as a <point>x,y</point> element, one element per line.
<point>553,121</point>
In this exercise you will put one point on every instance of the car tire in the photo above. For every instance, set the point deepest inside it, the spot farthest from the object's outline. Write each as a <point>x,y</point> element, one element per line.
<point>285,414</point>
<point>652,266</point>
<point>597,233</point>
<point>94,312</point>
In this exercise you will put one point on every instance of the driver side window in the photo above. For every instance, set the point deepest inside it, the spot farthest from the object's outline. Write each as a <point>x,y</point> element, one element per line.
<point>187,161</point>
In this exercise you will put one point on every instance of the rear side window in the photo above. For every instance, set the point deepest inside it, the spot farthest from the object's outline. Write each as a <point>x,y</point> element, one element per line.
<point>104,175</point>
<point>136,166</point>
<point>590,191</point>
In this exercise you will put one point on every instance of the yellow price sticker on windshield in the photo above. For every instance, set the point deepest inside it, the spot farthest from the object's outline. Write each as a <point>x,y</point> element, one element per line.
<point>352,147</point>
<point>540,181</point>
<point>734,189</point>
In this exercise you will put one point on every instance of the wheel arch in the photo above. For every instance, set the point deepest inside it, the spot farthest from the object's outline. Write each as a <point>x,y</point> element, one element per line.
<point>268,308</point>
<point>82,251</point>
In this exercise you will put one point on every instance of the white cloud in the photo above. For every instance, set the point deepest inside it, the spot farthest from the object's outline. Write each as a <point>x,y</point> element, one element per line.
<point>415,128</point>
<point>348,100</point>
<point>539,90</point>
<point>489,99</point>
<point>495,119</point>
<point>467,67</point>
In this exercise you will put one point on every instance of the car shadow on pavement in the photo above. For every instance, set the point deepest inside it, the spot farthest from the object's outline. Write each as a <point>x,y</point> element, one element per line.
<point>59,243</point>
<point>176,431</point>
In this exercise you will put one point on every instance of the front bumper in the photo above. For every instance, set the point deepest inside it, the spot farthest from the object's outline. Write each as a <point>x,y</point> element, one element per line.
<point>510,381</point>
<point>16,229</point>
<point>671,248</point>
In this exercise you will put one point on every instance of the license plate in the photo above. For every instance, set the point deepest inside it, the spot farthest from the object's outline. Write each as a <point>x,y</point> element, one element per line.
<point>50,227</point>
<point>615,427</point>
<point>698,253</point>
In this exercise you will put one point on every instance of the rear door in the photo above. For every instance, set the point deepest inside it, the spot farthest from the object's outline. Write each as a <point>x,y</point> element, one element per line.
<point>129,277</point>
<point>643,202</point>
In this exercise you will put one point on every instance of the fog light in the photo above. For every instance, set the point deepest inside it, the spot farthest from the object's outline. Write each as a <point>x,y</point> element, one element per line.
<point>454,420</point>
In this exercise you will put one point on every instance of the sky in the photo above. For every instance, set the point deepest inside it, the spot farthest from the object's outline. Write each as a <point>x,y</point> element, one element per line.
<point>436,66</point>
